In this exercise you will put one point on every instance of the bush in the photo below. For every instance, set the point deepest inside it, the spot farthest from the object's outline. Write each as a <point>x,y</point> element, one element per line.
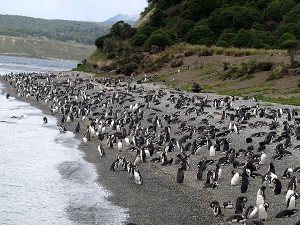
<point>176,63</point>
<point>111,55</point>
<point>205,52</point>
<point>196,88</point>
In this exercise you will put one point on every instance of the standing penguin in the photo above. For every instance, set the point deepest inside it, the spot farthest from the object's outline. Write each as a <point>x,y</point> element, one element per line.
<point>245,183</point>
<point>120,145</point>
<point>278,186</point>
<point>240,204</point>
<point>180,175</point>
<point>235,179</point>
<point>291,203</point>
<point>260,197</point>
<point>138,177</point>
<point>77,129</point>
<point>101,150</point>
<point>263,211</point>
<point>212,151</point>
<point>45,120</point>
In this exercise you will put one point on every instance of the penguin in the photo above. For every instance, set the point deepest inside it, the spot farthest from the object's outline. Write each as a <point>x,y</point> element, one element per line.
<point>212,151</point>
<point>260,197</point>
<point>278,186</point>
<point>138,177</point>
<point>286,213</point>
<point>218,172</point>
<point>291,203</point>
<point>263,157</point>
<point>101,150</point>
<point>263,211</point>
<point>45,119</point>
<point>251,212</point>
<point>238,218</point>
<point>235,178</point>
<point>287,173</point>
<point>288,194</point>
<point>120,146</point>
<point>292,184</point>
<point>245,183</point>
<point>180,175</point>
<point>114,165</point>
<point>167,162</point>
<point>211,185</point>
<point>210,176</point>
<point>217,211</point>
<point>228,205</point>
<point>240,204</point>
<point>77,129</point>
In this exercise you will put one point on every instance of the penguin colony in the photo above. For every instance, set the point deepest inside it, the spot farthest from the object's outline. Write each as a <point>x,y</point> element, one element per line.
<point>206,141</point>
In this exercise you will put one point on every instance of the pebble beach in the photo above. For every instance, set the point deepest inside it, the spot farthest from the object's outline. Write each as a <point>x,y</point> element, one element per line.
<point>162,130</point>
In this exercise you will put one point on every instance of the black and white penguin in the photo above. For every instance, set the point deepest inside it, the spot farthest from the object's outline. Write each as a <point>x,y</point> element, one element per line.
<point>260,197</point>
<point>211,185</point>
<point>245,182</point>
<point>114,165</point>
<point>228,205</point>
<point>286,213</point>
<point>251,212</point>
<point>138,177</point>
<point>180,175</point>
<point>291,202</point>
<point>263,211</point>
<point>217,211</point>
<point>235,178</point>
<point>45,119</point>
<point>292,185</point>
<point>77,129</point>
<point>237,218</point>
<point>240,204</point>
<point>101,150</point>
<point>277,187</point>
<point>287,173</point>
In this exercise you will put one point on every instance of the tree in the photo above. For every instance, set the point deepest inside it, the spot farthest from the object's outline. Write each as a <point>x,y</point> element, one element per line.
<point>159,39</point>
<point>122,30</point>
<point>99,42</point>
<point>200,34</point>
<point>292,47</point>
<point>138,39</point>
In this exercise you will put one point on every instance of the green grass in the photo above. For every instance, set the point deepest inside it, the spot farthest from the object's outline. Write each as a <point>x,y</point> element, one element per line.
<point>284,101</point>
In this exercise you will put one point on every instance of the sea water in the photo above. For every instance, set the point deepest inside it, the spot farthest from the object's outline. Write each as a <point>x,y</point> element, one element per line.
<point>43,176</point>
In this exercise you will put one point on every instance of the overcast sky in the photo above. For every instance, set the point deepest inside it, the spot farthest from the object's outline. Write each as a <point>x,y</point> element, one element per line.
<point>82,10</point>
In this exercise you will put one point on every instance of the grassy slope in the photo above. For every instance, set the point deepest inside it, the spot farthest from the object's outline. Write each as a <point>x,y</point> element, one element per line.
<point>44,48</point>
<point>207,71</point>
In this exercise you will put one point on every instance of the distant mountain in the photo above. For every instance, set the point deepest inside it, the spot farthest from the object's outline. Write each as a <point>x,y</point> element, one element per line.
<point>130,19</point>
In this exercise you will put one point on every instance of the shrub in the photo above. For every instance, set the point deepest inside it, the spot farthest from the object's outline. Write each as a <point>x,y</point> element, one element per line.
<point>176,63</point>
<point>196,88</point>
<point>111,55</point>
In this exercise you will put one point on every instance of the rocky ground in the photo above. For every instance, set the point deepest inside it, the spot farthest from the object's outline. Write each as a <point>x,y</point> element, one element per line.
<point>161,200</point>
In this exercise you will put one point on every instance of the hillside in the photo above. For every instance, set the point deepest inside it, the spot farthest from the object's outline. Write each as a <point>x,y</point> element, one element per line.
<point>58,30</point>
<point>227,47</point>
<point>44,48</point>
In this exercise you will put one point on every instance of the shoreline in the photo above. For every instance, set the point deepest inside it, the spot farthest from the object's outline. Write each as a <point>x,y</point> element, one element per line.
<point>160,200</point>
